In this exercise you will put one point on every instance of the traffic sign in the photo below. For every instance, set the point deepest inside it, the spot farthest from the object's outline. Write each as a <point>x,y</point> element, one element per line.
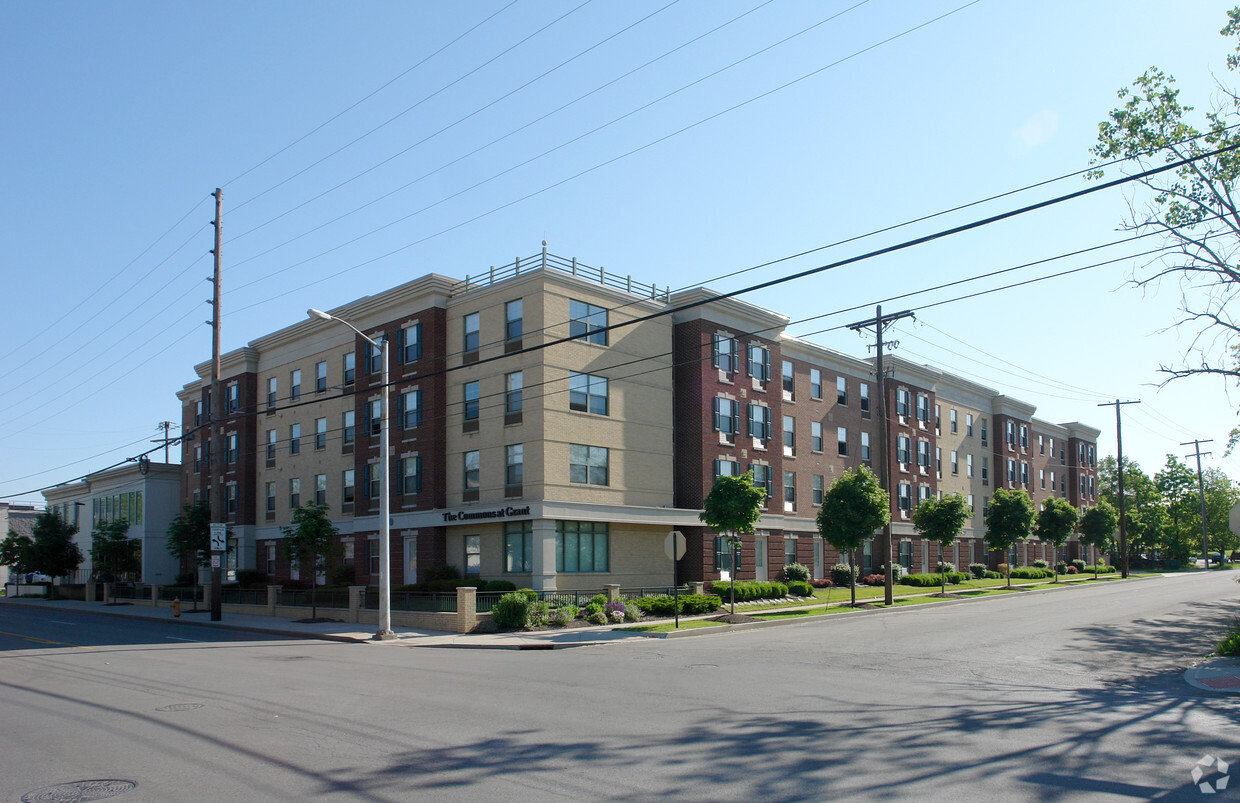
<point>219,537</point>
<point>674,545</point>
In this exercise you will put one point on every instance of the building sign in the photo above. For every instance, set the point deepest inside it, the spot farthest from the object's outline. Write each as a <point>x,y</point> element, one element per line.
<point>476,515</point>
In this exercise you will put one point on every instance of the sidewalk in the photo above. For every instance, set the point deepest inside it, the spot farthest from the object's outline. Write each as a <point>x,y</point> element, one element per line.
<point>1215,674</point>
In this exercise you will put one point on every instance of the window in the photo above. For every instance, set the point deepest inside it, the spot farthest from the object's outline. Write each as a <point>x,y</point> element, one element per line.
<point>374,417</point>
<point>786,377</point>
<point>865,446</point>
<point>513,322</point>
<point>198,458</point>
<point>983,425</point>
<point>373,546</point>
<point>906,554</point>
<point>1011,471</point>
<point>938,461</point>
<point>411,343</point>
<point>726,415</point>
<point>904,496</point>
<point>1024,437</point>
<point>347,428</point>
<point>581,546</point>
<point>294,493</point>
<point>411,409</point>
<point>817,489</point>
<point>952,418</point>
<point>320,433</point>
<point>514,463</point>
<point>230,498</point>
<point>320,377</point>
<point>271,497</point>
<point>347,490</point>
<point>725,468</point>
<point>513,394</point>
<point>230,448</point>
<point>294,438</point>
<point>902,402</point>
<point>759,422</point>
<point>271,444</point>
<point>411,475</point>
<point>815,383</point>
<point>471,406</point>
<point>923,454</point>
<point>790,434</point>
<point>841,391</point>
<point>587,393</point>
<point>519,546</point>
<point>198,414</point>
<point>1010,428</point>
<point>790,551</point>
<point>790,490</point>
<point>904,449</point>
<point>841,441</point>
<point>587,322</point>
<point>294,391</point>
<point>724,351</point>
<point>587,464</point>
<point>1052,482</point>
<point>968,466</point>
<point>1042,478</point>
<point>232,396</point>
<point>320,489</point>
<point>1041,445</point>
<point>865,400</point>
<point>271,559</point>
<point>969,500</point>
<point>473,555</point>
<point>471,465</point>
<point>723,554</point>
<point>473,334</point>
<point>272,392</point>
<point>350,361</point>
<point>968,424</point>
<point>815,436</point>
<point>955,463</point>
<point>372,476</point>
<point>759,363</point>
<point>762,478</point>
<point>938,417</point>
<point>1024,473</point>
<point>374,355</point>
<point>923,493</point>
<point>923,408</point>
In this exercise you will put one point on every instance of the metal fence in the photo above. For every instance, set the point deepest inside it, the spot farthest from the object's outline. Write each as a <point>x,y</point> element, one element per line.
<point>558,599</point>
<point>544,260</point>
<point>243,596</point>
<point>183,593</point>
<point>335,598</point>
<point>134,591</point>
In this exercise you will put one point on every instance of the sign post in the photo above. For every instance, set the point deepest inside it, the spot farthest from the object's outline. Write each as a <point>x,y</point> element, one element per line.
<point>219,545</point>
<point>674,546</point>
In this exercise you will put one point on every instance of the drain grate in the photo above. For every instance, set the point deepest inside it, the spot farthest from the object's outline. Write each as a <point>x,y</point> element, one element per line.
<point>179,707</point>
<point>80,791</point>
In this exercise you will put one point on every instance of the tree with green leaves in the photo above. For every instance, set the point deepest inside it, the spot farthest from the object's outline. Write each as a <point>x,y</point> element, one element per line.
<point>853,508</point>
<point>113,554</point>
<point>1055,523</point>
<point>1193,208</point>
<point>189,538</point>
<point>1178,485</point>
<point>1097,525</point>
<point>311,539</point>
<point>52,550</point>
<point>1009,518</point>
<point>942,520</point>
<point>15,553</point>
<point>731,509</point>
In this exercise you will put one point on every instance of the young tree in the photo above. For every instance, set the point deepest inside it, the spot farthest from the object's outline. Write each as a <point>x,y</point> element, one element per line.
<point>1055,523</point>
<point>52,550</point>
<point>1178,485</point>
<point>942,520</point>
<point>15,553</point>
<point>853,508</point>
<point>1009,518</point>
<point>112,552</point>
<point>732,507</point>
<point>189,538</point>
<point>1097,525</point>
<point>311,538</point>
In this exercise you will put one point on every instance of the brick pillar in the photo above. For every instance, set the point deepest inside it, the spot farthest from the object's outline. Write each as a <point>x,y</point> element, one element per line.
<point>107,592</point>
<point>544,577</point>
<point>613,592</point>
<point>91,591</point>
<point>357,596</point>
<point>206,595</point>
<point>273,598</point>
<point>698,587</point>
<point>467,608</point>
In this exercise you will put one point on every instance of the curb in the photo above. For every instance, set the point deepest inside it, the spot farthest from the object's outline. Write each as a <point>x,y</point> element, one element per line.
<point>1220,675</point>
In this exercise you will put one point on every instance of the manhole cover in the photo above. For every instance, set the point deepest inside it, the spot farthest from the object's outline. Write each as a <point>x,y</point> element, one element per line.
<point>80,791</point>
<point>179,707</point>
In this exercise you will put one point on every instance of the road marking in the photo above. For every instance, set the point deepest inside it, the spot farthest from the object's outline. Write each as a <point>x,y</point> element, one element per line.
<point>196,641</point>
<point>59,622</point>
<point>44,641</point>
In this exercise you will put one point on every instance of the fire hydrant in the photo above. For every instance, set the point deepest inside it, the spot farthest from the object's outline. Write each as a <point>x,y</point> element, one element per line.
<point>176,606</point>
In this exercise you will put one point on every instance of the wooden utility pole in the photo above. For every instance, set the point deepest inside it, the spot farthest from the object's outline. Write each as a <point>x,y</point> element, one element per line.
<point>1201,489</point>
<point>216,495</point>
<point>1119,470</point>
<point>884,464</point>
<point>166,426</point>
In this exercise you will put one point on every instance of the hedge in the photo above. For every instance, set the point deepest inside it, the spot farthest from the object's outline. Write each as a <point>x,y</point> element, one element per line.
<point>749,590</point>
<point>690,604</point>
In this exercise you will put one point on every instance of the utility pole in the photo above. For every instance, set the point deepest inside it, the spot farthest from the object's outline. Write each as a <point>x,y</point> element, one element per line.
<point>216,495</point>
<point>166,426</point>
<point>884,465</point>
<point>1119,466</point>
<point>1201,489</point>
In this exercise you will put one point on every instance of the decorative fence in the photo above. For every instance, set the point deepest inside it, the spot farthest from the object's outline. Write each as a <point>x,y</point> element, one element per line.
<point>570,266</point>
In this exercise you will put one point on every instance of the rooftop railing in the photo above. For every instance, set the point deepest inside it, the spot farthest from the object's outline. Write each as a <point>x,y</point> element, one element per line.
<point>545,261</point>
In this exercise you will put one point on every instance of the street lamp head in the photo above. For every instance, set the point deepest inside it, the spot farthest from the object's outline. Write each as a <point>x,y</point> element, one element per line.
<point>318,313</point>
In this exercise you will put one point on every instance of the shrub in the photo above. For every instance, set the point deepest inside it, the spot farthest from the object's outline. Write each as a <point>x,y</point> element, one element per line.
<point>956,578</point>
<point>922,580</point>
<point>800,588</point>
<point>993,575</point>
<point>978,570</point>
<point>632,613</point>
<point>442,571</point>
<point>1101,568</point>
<point>614,608</point>
<point>599,599</point>
<point>749,590</point>
<point>1230,643</point>
<point>512,610</point>
<point>874,580</point>
<point>529,593</point>
<point>540,614</point>
<point>1030,573</point>
<point>498,585</point>
<point>660,605</point>
<point>1061,567</point>
<point>947,566</point>
<point>597,617</point>
<point>1041,564</point>
<point>1071,570</point>
<point>1079,564</point>
<point>251,578</point>
<point>593,607</point>
<point>823,583</point>
<point>898,571</point>
<point>1003,568</point>
<point>690,604</point>
<point>795,573</point>
<point>185,578</point>
<point>842,575</point>
<point>562,616</point>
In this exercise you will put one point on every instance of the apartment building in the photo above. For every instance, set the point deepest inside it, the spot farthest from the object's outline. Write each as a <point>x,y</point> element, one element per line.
<point>563,465</point>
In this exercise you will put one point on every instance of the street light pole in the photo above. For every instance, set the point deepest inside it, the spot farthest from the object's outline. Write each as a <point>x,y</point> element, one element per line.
<point>385,523</point>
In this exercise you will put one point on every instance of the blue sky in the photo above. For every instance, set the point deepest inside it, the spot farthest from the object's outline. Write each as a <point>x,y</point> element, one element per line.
<point>361,145</point>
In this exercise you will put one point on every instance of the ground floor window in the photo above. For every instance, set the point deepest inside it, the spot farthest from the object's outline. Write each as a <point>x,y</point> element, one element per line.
<point>723,554</point>
<point>906,555</point>
<point>519,547</point>
<point>867,558</point>
<point>790,551</point>
<point>373,543</point>
<point>581,546</point>
<point>271,560</point>
<point>473,555</point>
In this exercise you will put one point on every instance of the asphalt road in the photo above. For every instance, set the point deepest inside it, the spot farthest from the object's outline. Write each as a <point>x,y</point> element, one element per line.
<point>1074,695</point>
